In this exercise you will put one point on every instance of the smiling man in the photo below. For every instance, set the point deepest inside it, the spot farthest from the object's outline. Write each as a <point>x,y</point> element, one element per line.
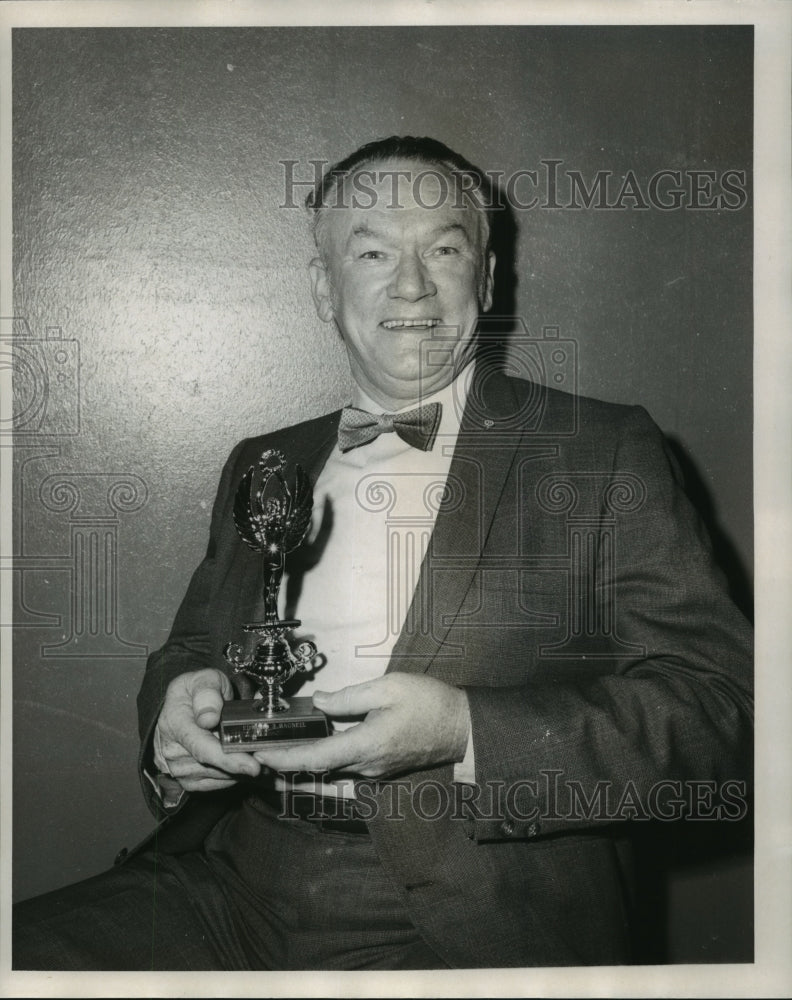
<point>412,263</point>
<point>524,645</point>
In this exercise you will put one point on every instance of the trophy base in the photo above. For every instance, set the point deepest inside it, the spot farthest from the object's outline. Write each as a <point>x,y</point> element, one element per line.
<point>243,727</point>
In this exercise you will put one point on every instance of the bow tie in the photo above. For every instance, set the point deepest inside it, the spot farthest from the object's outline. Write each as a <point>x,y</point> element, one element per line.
<point>417,427</point>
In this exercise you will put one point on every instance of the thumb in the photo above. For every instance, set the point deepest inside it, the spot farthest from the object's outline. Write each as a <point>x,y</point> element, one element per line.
<point>208,703</point>
<point>357,699</point>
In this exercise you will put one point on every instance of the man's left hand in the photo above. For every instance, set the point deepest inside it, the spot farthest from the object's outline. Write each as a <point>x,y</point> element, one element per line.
<point>411,722</point>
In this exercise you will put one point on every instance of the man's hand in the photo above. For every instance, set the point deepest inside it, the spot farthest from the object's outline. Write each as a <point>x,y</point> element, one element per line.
<point>411,722</point>
<point>184,747</point>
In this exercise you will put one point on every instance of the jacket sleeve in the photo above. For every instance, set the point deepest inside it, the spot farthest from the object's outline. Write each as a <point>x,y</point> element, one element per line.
<point>188,646</point>
<point>667,727</point>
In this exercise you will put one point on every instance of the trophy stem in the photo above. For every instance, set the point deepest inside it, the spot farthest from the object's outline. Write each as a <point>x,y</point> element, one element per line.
<point>273,703</point>
<point>274,566</point>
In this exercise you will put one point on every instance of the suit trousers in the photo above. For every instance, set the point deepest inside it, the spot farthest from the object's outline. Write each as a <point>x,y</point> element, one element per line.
<point>264,893</point>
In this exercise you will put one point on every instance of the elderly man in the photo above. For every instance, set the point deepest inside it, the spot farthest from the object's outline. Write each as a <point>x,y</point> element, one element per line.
<point>523,644</point>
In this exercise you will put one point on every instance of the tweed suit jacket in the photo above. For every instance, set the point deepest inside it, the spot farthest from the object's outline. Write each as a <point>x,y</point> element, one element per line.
<point>569,589</point>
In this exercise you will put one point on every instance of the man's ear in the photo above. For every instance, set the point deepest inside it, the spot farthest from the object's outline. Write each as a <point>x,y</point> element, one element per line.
<point>489,282</point>
<point>320,289</point>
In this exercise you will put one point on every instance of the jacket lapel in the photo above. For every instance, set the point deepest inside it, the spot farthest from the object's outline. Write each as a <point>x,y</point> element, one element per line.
<point>310,444</point>
<point>483,457</point>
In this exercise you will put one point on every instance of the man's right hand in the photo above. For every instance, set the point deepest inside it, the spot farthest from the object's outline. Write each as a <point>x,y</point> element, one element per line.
<point>185,746</point>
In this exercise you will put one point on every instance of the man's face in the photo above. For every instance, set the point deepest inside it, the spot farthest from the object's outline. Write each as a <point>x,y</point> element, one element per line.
<point>402,269</point>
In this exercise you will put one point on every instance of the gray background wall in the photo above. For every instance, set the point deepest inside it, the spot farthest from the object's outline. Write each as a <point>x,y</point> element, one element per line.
<point>162,314</point>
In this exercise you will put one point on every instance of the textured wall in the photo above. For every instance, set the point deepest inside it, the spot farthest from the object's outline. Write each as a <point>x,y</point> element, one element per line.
<point>150,233</point>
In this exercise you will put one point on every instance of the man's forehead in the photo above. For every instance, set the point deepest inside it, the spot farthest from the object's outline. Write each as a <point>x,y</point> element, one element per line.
<point>382,200</point>
<point>375,224</point>
<point>393,185</point>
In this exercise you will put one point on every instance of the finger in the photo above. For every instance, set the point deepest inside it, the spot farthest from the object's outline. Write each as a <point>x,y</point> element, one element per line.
<point>340,752</point>
<point>356,699</point>
<point>188,767</point>
<point>316,785</point>
<point>206,784</point>
<point>206,749</point>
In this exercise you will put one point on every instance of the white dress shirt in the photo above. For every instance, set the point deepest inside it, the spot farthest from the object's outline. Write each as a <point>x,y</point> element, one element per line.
<point>381,500</point>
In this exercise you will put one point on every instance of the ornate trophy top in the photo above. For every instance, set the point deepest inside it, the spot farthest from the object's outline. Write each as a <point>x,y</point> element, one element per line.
<point>272,516</point>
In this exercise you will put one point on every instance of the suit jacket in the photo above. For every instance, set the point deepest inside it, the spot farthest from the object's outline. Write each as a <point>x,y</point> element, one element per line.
<point>568,588</point>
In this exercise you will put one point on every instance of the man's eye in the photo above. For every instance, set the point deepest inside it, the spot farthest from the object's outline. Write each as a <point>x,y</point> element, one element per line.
<point>372,255</point>
<point>446,251</point>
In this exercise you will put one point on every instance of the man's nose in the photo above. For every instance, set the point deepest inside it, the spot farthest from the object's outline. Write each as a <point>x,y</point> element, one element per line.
<point>411,279</point>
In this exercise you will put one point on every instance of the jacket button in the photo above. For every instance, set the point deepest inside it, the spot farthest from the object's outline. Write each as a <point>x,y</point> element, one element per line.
<point>507,827</point>
<point>121,856</point>
<point>533,829</point>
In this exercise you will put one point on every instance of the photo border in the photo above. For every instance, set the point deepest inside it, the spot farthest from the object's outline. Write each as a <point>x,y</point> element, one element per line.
<point>771,973</point>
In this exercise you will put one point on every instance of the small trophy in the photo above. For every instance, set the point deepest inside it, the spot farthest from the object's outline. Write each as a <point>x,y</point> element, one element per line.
<point>272,517</point>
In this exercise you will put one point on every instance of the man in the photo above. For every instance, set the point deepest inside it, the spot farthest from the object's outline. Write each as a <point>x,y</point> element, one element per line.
<point>546,651</point>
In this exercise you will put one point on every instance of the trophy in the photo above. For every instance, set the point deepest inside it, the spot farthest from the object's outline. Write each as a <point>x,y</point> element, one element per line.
<point>272,517</point>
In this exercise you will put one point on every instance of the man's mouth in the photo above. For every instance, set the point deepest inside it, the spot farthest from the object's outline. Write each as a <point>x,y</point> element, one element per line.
<point>405,324</point>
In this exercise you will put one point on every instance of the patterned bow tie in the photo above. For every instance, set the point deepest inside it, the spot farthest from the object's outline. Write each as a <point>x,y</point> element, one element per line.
<point>417,427</point>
